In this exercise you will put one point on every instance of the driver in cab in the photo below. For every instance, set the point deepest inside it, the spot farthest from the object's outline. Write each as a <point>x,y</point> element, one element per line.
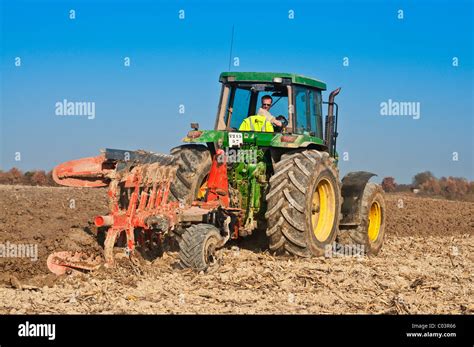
<point>263,121</point>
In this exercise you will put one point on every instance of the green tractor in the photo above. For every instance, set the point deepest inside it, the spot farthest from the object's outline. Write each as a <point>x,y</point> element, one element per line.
<point>286,181</point>
<point>254,173</point>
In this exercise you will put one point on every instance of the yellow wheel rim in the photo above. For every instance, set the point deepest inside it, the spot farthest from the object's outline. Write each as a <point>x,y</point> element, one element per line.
<point>375,221</point>
<point>323,210</point>
<point>202,190</point>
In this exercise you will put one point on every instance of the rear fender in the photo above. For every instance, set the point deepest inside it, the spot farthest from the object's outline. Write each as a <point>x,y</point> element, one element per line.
<point>353,185</point>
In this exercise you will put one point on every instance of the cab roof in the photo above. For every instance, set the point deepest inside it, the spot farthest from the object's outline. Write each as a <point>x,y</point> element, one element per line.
<point>268,77</point>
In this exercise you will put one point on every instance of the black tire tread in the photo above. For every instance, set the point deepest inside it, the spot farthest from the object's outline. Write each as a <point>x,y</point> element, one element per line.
<point>286,199</point>
<point>359,235</point>
<point>194,163</point>
<point>191,246</point>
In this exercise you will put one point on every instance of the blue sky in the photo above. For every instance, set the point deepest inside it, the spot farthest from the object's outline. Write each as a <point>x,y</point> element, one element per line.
<point>176,62</point>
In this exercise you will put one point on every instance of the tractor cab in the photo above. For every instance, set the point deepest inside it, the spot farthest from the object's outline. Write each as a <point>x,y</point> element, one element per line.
<point>296,101</point>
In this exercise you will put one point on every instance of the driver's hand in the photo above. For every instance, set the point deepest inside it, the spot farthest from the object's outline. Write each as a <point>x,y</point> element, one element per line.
<point>277,123</point>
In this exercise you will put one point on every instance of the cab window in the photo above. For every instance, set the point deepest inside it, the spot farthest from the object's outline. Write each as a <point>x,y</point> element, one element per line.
<point>238,108</point>
<point>308,111</point>
<point>245,100</point>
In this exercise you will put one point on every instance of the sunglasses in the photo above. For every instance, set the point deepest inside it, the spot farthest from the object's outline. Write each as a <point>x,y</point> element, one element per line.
<point>267,105</point>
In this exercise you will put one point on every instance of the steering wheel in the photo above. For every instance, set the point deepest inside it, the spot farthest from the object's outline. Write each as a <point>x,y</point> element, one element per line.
<point>283,120</point>
<point>284,123</point>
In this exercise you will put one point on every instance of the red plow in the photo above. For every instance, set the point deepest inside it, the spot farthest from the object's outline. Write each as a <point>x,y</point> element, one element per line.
<point>140,210</point>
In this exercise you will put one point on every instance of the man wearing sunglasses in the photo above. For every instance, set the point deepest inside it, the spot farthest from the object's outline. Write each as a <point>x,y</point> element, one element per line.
<point>265,110</point>
<point>263,120</point>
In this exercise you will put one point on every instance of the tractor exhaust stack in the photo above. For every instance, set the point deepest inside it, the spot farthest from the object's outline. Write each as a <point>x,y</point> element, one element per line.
<point>330,123</point>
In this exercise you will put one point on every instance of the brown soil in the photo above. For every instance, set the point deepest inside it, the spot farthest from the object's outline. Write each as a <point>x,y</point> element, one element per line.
<point>426,266</point>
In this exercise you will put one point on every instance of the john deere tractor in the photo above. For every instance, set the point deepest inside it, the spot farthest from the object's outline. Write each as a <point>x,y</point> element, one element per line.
<point>240,178</point>
<point>290,188</point>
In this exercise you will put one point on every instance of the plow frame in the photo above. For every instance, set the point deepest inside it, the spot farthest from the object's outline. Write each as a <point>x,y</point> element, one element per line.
<point>139,191</point>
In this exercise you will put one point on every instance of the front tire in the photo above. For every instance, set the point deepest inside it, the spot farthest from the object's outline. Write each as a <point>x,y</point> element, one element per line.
<point>197,246</point>
<point>303,204</point>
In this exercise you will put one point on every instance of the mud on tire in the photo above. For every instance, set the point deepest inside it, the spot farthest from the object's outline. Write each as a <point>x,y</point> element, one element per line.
<point>197,245</point>
<point>194,163</point>
<point>298,176</point>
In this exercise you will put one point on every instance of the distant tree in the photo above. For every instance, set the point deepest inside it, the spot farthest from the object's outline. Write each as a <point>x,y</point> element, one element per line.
<point>27,176</point>
<point>34,177</point>
<point>39,178</point>
<point>15,176</point>
<point>455,187</point>
<point>451,188</point>
<point>462,186</point>
<point>471,187</point>
<point>431,186</point>
<point>421,178</point>
<point>3,177</point>
<point>388,184</point>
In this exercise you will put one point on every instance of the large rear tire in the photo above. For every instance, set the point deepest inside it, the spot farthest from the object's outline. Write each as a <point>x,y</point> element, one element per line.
<point>194,165</point>
<point>303,204</point>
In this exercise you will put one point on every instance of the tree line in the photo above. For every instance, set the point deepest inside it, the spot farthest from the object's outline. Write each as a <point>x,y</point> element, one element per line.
<point>425,183</point>
<point>455,188</point>
<point>29,178</point>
